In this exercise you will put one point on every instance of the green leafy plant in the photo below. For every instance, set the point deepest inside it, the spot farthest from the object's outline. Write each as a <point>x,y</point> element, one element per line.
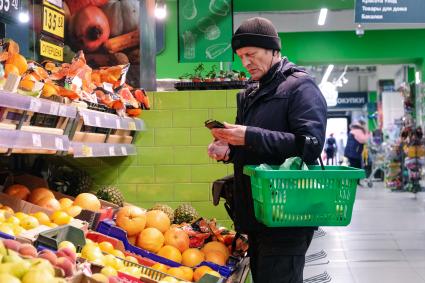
<point>197,72</point>
<point>212,74</point>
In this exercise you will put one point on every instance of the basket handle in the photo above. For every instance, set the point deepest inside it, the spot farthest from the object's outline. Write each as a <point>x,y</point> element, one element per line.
<point>304,143</point>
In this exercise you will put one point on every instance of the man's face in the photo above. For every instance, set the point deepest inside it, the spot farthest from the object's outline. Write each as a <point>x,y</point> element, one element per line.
<point>256,60</point>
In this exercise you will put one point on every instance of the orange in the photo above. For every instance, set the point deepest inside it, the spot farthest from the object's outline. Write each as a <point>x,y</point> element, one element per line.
<point>65,203</point>
<point>106,247</point>
<point>18,191</point>
<point>10,69</point>
<point>216,257</point>
<point>133,239</point>
<point>150,239</point>
<point>73,211</point>
<point>19,61</point>
<point>38,194</point>
<point>88,201</point>
<point>60,218</point>
<point>158,219</point>
<point>170,253</point>
<point>176,272</point>
<point>177,238</point>
<point>132,219</point>
<point>160,267</point>
<point>216,246</point>
<point>200,271</point>
<point>26,85</point>
<point>12,47</point>
<point>42,217</point>
<point>188,273</point>
<point>49,90</point>
<point>192,257</point>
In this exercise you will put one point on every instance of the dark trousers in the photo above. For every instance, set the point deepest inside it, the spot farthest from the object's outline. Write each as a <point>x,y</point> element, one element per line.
<point>275,267</point>
<point>356,163</point>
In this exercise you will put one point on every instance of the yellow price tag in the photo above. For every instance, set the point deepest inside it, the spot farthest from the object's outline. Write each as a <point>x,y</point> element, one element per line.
<point>51,50</point>
<point>86,151</point>
<point>54,21</point>
<point>132,126</point>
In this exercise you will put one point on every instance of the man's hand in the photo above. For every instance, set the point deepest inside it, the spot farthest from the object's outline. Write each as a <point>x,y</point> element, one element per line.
<point>232,134</point>
<point>219,150</point>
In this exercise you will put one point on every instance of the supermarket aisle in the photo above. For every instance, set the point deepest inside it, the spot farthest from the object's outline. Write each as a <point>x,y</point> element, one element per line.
<point>384,243</point>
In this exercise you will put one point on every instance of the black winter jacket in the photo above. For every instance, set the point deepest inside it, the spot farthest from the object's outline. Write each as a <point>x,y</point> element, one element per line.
<point>286,103</point>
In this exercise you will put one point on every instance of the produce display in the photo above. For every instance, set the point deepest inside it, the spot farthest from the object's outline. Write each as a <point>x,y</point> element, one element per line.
<point>73,82</point>
<point>160,244</point>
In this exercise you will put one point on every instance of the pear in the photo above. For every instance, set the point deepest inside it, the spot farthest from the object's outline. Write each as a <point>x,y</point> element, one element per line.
<point>12,256</point>
<point>39,274</point>
<point>41,264</point>
<point>17,269</point>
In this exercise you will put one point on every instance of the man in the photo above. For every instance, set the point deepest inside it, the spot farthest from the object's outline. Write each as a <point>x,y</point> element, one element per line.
<point>355,144</point>
<point>285,104</point>
<point>330,149</point>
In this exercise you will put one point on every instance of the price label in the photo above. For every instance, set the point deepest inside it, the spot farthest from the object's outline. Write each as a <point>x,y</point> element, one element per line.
<point>86,151</point>
<point>62,111</point>
<point>8,6</point>
<point>112,151</point>
<point>59,144</point>
<point>54,108</point>
<point>36,139</point>
<point>35,104</point>
<point>97,121</point>
<point>53,21</point>
<point>50,50</point>
<point>124,150</point>
<point>131,126</point>
<point>118,122</point>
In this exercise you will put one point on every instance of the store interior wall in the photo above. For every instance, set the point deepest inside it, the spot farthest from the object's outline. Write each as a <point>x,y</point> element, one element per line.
<point>315,48</point>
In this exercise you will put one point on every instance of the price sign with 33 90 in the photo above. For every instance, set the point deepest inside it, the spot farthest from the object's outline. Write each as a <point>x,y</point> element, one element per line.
<point>53,21</point>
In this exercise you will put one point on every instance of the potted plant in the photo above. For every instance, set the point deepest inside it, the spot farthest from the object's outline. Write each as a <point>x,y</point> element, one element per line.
<point>222,75</point>
<point>185,78</point>
<point>197,76</point>
<point>212,74</point>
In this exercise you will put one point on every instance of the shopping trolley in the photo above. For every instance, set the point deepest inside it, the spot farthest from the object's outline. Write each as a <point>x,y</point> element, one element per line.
<point>378,155</point>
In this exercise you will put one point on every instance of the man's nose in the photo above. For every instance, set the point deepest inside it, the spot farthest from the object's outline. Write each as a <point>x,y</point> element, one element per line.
<point>245,61</point>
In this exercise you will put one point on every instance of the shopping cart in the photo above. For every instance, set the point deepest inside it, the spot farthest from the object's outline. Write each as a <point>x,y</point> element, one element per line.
<point>378,154</point>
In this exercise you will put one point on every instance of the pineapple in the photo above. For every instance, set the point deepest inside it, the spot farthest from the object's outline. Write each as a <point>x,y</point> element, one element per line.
<point>185,213</point>
<point>68,180</point>
<point>111,194</point>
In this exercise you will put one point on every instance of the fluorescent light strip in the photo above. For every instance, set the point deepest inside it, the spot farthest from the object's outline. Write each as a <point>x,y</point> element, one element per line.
<point>327,73</point>
<point>322,16</point>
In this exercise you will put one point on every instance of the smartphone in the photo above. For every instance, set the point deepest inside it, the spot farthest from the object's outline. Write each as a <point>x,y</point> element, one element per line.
<point>211,124</point>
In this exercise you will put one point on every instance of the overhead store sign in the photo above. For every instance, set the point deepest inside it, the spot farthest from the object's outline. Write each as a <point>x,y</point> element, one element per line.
<point>351,100</point>
<point>390,11</point>
<point>205,29</point>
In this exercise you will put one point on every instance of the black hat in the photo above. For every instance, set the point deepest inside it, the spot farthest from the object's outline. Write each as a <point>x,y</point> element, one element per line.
<point>256,32</point>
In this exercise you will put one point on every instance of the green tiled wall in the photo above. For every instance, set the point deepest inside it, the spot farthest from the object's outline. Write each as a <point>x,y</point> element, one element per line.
<point>172,165</point>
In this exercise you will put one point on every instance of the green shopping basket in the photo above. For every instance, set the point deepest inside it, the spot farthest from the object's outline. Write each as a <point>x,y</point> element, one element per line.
<point>314,197</point>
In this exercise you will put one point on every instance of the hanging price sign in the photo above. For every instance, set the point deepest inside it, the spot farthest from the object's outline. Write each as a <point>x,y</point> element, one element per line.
<point>53,20</point>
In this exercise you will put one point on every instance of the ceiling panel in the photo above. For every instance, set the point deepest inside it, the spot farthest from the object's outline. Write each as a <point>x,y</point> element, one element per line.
<point>290,5</point>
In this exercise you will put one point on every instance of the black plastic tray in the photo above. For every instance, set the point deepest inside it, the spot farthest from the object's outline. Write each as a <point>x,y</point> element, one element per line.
<point>210,85</point>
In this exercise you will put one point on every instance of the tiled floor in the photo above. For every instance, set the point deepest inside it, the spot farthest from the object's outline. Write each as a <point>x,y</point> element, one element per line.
<point>385,242</point>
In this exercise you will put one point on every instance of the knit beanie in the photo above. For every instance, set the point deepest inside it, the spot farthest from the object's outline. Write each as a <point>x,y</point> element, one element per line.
<point>256,32</point>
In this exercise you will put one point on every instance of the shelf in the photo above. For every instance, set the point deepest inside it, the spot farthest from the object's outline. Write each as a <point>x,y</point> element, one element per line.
<point>82,149</point>
<point>38,105</point>
<point>16,139</point>
<point>111,121</point>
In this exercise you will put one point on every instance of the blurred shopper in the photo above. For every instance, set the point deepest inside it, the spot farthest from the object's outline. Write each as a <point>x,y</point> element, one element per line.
<point>355,143</point>
<point>330,149</point>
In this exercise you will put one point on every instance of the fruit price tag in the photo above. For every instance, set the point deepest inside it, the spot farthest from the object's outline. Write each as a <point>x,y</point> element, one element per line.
<point>118,122</point>
<point>131,126</point>
<point>86,151</point>
<point>112,151</point>
<point>124,150</point>
<point>36,140</point>
<point>53,20</point>
<point>97,121</point>
<point>54,109</point>
<point>63,111</point>
<point>50,50</point>
<point>59,144</point>
<point>35,105</point>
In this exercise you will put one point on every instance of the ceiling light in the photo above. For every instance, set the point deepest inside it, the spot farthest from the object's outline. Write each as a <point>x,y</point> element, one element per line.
<point>24,17</point>
<point>322,16</point>
<point>418,77</point>
<point>327,73</point>
<point>160,10</point>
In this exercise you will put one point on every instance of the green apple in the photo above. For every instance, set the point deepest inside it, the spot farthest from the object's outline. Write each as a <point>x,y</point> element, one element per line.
<point>3,250</point>
<point>12,256</point>
<point>17,269</point>
<point>41,264</point>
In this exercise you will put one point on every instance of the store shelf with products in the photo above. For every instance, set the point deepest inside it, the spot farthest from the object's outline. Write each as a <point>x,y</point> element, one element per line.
<point>19,135</point>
